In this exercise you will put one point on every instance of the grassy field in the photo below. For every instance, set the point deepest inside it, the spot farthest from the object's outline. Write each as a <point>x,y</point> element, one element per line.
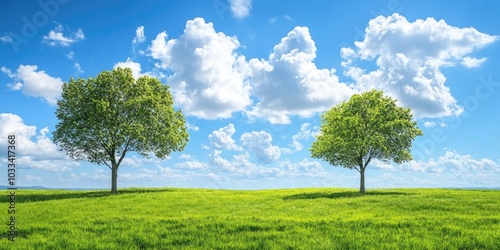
<point>267,219</point>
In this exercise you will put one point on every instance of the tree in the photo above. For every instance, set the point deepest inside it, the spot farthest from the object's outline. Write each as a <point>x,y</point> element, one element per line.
<point>102,119</point>
<point>368,126</point>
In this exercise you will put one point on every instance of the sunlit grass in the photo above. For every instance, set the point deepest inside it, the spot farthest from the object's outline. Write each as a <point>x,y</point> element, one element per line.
<point>267,219</point>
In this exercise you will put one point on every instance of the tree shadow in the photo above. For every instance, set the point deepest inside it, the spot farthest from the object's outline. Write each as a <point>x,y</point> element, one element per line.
<point>46,195</point>
<point>339,195</point>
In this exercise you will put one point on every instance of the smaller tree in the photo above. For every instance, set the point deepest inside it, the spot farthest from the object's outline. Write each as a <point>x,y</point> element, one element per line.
<point>102,119</point>
<point>368,126</point>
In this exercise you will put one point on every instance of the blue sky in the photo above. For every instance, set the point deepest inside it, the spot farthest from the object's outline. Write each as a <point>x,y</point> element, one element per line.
<point>252,78</point>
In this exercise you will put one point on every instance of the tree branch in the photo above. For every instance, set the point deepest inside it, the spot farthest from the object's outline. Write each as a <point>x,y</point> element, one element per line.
<point>105,163</point>
<point>368,161</point>
<point>124,152</point>
<point>357,169</point>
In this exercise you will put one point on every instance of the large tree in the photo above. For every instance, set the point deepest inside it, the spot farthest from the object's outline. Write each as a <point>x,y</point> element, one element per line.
<point>102,119</point>
<point>368,126</point>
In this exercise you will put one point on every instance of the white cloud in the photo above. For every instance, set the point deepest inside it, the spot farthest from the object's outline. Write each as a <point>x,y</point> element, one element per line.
<point>240,8</point>
<point>305,133</point>
<point>79,35</point>
<point>8,72</point>
<point>192,127</point>
<point>99,176</point>
<point>33,149</point>
<point>241,166</point>
<point>216,160</point>
<point>35,83</point>
<point>260,144</point>
<point>409,56</point>
<point>132,160</point>
<point>452,161</point>
<point>185,156</point>
<point>139,35</point>
<point>56,37</point>
<point>70,55</point>
<point>209,79</point>
<point>191,165</point>
<point>78,68</point>
<point>304,168</point>
<point>381,165</point>
<point>431,124</point>
<point>289,83</point>
<point>134,66</point>
<point>222,138</point>
<point>470,62</point>
<point>139,38</point>
<point>274,19</point>
<point>6,39</point>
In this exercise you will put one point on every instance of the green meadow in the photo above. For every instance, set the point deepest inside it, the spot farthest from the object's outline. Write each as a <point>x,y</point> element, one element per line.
<point>312,218</point>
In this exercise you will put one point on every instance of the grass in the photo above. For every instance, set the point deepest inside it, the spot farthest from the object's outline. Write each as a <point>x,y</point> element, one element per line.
<point>263,219</point>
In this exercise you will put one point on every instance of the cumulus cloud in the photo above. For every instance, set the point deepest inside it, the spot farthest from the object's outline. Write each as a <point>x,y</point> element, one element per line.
<point>191,165</point>
<point>452,161</point>
<point>304,168</point>
<point>219,162</point>
<point>139,35</point>
<point>260,144</point>
<point>409,56</point>
<point>131,162</point>
<point>33,148</point>
<point>240,8</point>
<point>222,138</point>
<point>470,62</point>
<point>192,127</point>
<point>56,37</point>
<point>211,80</point>
<point>209,77</point>
<point>134,66</point>
<point>289,83</point>
<point>134,161</point>
<point>305,133</point>
<point>241,166</point>
<point>139,38</point>
<point>35,83</point>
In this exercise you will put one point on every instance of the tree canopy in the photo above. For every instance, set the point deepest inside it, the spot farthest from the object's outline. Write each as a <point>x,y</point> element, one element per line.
<point>102,119</point>
<point>368,126</point>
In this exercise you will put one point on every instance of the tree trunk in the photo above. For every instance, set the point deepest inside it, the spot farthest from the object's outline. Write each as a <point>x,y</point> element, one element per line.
<point>114,177</point>
<point>362,181</point>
